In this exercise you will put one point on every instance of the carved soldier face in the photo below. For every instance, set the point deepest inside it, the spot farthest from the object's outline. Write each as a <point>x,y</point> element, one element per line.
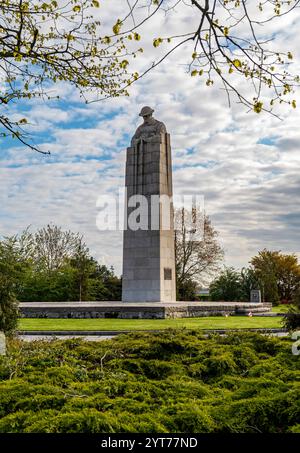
<point>147,118</point>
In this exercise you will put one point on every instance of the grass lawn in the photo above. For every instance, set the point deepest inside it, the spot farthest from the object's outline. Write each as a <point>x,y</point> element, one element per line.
<point>214,322</point>
<point>280,308</point>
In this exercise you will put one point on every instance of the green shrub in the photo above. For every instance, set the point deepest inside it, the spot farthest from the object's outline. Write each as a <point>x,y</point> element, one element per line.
<point>291,319</point>
<point>15,422</point>
<point>189,418</point>
<point>219,364</point>
<point>175,381</point>
<point>294,429</point>
<point>85,421</point>
<point>273,413</point>
<point>9,311</point>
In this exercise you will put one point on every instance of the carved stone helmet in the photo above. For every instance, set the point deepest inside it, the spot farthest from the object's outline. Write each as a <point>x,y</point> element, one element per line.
<point>146,111</point>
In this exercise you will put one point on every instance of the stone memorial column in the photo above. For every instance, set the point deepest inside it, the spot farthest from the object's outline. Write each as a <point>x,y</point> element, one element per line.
<point>148,248</point>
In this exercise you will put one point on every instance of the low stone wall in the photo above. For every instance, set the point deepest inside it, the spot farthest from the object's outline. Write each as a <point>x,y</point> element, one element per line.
<point>81,310</point>
<point>82,313</point>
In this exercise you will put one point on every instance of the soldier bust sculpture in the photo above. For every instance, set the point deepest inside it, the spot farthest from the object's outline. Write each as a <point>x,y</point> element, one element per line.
<point>149,128</point>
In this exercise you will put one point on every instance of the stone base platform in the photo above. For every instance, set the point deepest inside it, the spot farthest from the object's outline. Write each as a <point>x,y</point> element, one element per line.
<point>142,310</point>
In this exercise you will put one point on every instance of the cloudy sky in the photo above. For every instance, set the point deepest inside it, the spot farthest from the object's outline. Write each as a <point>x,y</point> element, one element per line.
<point>245,165</point>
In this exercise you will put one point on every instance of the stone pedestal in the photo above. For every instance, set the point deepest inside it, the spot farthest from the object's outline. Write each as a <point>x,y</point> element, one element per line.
<point>255,296</point>
<point>148,252</point>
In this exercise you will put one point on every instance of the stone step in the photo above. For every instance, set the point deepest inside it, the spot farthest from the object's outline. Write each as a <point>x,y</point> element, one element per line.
<point>256,309</point>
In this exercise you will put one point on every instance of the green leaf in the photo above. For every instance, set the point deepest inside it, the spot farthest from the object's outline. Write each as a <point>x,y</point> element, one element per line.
<point>257,107</point>
<point>106,40</point>
<point>124,64</point>
<point>117,27</point>
<point>157,42</point>
<point>237,63</point>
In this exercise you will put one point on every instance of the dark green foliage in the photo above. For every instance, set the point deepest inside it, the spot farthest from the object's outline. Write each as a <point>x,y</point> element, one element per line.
<point>57,285</point>
<point>249,279</point>
<point>295,429</point>
<point>190,418</point>
<point>186,289</point>
<point>176,381</point>
<point>11,267</point>
<point>267,413</point>
<point>278,273</point>
<point>9,311</point>
<point>228,287</point>
<point>53,265</point>
<point>106,285</point>
<point>277,276</point>
<point>291,319</point>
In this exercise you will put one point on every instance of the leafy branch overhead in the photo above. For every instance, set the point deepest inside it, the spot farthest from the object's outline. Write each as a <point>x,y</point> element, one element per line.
<point>229,43</point>
<point>46,42</point>
<point>43,43</point>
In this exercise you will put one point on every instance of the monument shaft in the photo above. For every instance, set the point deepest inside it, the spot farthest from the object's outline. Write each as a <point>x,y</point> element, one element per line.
<point>149,254</point>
